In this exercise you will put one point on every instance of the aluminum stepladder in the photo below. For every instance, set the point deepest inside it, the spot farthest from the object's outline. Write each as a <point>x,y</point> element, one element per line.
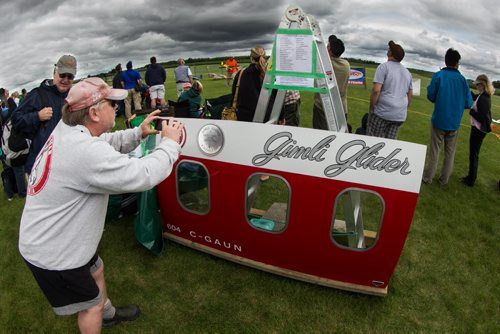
<point>326,86</point>
<point>295,19</point>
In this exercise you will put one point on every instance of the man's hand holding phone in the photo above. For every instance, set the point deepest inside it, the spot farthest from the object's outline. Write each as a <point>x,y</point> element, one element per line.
<point>171,128</point>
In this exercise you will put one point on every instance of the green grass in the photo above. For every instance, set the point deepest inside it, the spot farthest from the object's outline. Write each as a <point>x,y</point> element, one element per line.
<point>447,280</point>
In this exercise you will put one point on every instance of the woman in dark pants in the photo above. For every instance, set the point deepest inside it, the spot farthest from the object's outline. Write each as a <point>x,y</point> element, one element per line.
<point>250,85</point>
<point>480,124</point>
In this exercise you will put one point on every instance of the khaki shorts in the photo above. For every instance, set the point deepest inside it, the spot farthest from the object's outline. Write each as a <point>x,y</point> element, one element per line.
<point>157,92</point>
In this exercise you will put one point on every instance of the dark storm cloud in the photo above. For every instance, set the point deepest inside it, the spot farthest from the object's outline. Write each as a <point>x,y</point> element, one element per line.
<point>103,33</point>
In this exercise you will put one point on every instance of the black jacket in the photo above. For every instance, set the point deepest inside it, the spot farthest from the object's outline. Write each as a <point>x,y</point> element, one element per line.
<point>155,75</point>
<point>249,92</point>
<point>117,80</point>
<point>25,118</point>
<point>483,112</point>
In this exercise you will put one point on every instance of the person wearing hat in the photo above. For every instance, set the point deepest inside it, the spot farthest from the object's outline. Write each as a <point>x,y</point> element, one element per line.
<point>342,69</point>
<point>450,93</point>
<point>63,219</point>
<point>130,80</point>
<point>391,95</point>
<point>480,124</point>
<point>40,111</point>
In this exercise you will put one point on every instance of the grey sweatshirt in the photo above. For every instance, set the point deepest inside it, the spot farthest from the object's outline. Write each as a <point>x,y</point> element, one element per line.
<point>69,186</point>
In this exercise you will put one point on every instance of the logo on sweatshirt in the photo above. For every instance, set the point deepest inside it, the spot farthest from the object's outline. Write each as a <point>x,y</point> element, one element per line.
<point>41,169</point>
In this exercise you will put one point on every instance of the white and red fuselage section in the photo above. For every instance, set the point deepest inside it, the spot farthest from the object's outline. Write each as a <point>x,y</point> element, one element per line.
<point>315,168</point>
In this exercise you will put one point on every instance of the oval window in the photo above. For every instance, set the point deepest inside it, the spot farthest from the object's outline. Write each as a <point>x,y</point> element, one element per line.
<point>192,187</point>
<point>357,219</point>
<point>267,205</point>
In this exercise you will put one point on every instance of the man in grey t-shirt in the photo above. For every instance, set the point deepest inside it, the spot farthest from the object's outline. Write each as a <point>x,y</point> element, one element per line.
<point>182,75</point>
<point>391,95</point>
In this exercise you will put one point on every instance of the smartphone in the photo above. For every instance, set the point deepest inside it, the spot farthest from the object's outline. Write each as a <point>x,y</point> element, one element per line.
<point>159,121</point>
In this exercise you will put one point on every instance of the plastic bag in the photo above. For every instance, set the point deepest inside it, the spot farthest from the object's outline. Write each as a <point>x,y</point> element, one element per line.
<point>148,225</point>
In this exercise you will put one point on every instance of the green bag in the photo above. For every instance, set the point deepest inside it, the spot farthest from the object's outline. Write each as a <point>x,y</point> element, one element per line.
<point>149,144</point>
<point>148,225</point>
<point>136,121</point>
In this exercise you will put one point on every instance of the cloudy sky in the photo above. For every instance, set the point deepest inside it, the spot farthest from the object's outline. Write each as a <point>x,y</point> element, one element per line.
<point>35,33</point>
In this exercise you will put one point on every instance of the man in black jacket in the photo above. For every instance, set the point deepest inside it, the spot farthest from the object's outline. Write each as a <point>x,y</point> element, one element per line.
<point>40,111</point>
<point>155,79</point>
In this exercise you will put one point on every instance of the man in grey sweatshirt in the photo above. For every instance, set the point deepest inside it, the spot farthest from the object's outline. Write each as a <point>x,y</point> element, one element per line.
<point>63,219</point>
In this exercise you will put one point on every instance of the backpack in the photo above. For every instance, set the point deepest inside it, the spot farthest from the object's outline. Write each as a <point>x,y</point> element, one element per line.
<point>9,178</point>
<point>14,146</point>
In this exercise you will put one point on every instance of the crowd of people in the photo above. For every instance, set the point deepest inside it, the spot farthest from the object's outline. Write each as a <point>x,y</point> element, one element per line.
<point>73,162</point>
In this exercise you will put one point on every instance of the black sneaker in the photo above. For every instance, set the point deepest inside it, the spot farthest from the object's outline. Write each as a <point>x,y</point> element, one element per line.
<point>465,180</point>
<point>125,313</point>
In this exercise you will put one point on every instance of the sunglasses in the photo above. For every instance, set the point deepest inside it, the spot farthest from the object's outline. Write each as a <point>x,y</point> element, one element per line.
<point>68,76</point>
<point>113,103</point>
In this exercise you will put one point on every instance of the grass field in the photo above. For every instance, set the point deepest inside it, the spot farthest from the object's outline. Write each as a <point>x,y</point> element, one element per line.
<point>447,280</point>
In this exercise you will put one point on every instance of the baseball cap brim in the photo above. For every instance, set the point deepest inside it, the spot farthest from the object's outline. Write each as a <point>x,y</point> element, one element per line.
<point>64,70</point>
<point>117,94</point>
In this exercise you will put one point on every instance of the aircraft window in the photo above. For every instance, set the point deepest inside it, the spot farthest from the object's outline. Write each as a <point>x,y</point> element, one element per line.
<point>357,219</point>
<point>267,204</point>
<point>192,187</point>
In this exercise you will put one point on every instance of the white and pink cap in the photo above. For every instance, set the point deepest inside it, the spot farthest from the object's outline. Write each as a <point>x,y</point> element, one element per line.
<point>90,91</point>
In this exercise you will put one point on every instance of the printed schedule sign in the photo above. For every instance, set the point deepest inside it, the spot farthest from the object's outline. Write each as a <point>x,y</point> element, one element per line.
<point>294,54</point>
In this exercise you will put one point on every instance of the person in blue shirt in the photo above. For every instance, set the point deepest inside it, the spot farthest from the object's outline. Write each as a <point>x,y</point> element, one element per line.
<point>130,80</point>
<point>450,93</point>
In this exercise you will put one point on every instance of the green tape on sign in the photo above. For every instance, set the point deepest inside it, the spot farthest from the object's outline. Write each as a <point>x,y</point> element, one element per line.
<point>294,32</point>
<point>301,88</point>
<point>297,74</point>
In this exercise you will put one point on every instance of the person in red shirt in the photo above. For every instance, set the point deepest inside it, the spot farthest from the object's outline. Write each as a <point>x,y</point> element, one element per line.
<point>231,68</point>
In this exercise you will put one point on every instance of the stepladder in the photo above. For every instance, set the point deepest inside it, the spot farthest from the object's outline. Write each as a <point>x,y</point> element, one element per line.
<point>288,69</point>
<point>300,61</point>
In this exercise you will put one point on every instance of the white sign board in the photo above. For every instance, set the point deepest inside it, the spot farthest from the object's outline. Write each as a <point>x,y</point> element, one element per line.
<point>294,54</point>
<point>332,155</point>
<point>416,86</point>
